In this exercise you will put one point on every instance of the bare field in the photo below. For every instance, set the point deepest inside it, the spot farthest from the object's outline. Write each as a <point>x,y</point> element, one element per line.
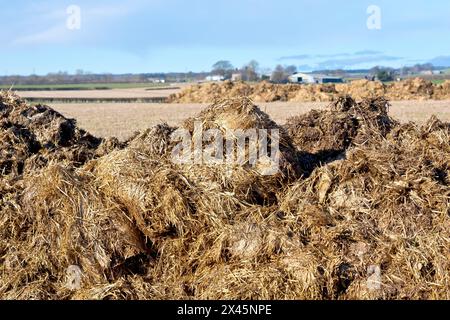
<point>122,120</point>
<point>98,94</point>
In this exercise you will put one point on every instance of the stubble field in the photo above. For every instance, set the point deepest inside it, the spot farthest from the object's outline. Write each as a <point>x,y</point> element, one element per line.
<point>122,120</point>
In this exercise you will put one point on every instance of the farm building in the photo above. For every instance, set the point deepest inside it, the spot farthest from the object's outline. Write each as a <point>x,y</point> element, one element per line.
<point>215,78</point>
<point>431,72</point>
<point>156,80</point>
<point>236,77</point>
<point>301,78</point>
<point>313,78</point>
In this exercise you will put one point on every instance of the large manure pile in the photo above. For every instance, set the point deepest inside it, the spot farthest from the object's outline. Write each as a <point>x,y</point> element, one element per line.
<point>360,209</point>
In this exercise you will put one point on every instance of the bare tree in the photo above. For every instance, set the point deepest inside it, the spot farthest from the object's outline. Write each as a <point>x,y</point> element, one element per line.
<point>250,71</point>
<point>223,68</point>
<point>279,75</point>
<point>290,69</point>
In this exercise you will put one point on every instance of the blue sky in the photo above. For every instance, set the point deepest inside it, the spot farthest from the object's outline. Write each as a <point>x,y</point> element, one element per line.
<point>178,35</point>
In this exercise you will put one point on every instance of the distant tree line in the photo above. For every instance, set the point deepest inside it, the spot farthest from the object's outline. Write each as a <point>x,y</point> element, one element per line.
<point>250,71</point>
<point>86,77</point>
<point>390,74</point>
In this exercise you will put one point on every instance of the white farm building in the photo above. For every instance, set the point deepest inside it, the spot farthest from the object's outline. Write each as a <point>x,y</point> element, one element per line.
<point>313,78</point>
<point>215,78</point>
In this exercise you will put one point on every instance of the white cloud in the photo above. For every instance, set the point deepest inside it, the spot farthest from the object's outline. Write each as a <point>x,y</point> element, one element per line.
<point>55,34</point>
<point>56,22</point>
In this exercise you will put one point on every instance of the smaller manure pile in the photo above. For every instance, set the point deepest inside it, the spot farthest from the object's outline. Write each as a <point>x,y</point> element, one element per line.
<point>410,89</point>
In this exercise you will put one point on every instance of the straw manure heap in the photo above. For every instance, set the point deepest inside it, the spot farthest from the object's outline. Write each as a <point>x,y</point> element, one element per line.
<point>345,123</point>
<point>260,92</point>
<point>361,89</point>
<point>246,181</point>
<point>412,89</point>
<point>104,220</point>
<point>443,91</point>
<point>386,206</point>
<point>409,89</point>
<point>31,137</point>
